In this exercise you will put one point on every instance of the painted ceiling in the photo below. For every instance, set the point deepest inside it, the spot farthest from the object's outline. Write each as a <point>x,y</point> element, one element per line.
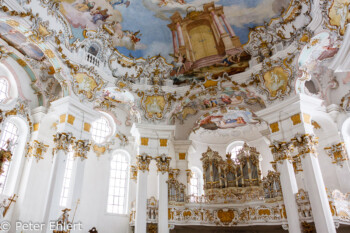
<point>140,26</point>
<point>146,28</point>
<point>178,60</point>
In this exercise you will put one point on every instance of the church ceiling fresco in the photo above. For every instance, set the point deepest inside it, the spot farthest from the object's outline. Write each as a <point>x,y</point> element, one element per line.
<point>196,37</point>
<point>212,99</point>
<point>321,47</point>
<point>19,41</point>
<point>312,60</point>
<point>226,118</point>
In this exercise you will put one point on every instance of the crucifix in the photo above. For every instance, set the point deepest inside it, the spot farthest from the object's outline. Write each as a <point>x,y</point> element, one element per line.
<point>11,199</point>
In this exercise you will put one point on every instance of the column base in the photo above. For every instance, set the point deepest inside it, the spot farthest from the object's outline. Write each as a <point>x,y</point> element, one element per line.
<point>236,42</point>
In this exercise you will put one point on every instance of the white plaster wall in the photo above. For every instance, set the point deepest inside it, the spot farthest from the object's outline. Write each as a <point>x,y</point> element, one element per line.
<point>92,209</point>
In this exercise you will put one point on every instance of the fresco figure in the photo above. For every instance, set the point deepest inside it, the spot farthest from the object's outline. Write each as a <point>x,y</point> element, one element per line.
<point>277,82</point>
<point>342,10</point>
<point>99,14</point>
<point>84,6</point>
<point>115,3</point>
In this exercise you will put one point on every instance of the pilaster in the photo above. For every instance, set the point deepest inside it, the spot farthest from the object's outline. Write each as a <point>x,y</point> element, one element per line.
<point>163,175</point>
<point>181,148</point>
<point>73,133</point>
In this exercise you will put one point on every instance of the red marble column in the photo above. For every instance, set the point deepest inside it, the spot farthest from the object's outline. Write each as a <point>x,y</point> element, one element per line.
<point>218,23</point>
<point>180,35</point>
<point>228,26</point>
<point>176,49</point>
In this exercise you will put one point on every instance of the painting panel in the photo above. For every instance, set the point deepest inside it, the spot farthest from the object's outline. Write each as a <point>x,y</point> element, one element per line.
<point>276,80</point>
<point>339,14</point>
<point>155,105</point>
<point>231,119</point>
<point>19,41</point>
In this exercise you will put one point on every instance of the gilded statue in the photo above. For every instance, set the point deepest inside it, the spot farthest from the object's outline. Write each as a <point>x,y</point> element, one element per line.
<point>5,155</point>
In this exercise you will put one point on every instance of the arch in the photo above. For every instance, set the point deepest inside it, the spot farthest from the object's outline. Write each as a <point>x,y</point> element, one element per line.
<point>17,161</point>
<point>94,49</point>
<point>117,197</point>
<point>12,89</point>
<point>103,128</point>
<point>234,147</point>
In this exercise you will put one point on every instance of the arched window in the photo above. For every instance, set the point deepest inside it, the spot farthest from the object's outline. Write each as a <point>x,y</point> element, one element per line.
<point>101,130</point>
<point>67,178</point>
<point>118,183</point>
<point>10,132</point>
<point>196,183</point>
<point>234,148</point>
<point>3,89</point>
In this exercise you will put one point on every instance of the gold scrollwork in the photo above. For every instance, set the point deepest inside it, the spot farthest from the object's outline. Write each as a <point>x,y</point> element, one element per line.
<point>143,162</point>
<point>338,153</point>
<point>81,147</point>
<point>163,163</point>
<point>36,149</point>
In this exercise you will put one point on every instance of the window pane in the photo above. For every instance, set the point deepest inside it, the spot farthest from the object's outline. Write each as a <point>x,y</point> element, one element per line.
<point>118,184</point>
<point>67,178</point>
<point>196,184</point>
<point>100,130</point>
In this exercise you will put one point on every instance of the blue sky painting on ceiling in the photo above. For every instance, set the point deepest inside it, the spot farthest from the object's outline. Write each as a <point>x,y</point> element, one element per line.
<point>142,24</point>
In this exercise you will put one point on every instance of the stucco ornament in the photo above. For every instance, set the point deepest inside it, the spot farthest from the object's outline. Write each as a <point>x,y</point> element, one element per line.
<point>81,147</point>
<point>163,163</point>
<point>36,149</point>
<point>143,162</point>
<point>62,141</point>
<point>276,78</point>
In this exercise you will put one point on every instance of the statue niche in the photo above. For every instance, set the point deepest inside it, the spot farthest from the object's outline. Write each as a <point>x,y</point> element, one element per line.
<point>244,171</point>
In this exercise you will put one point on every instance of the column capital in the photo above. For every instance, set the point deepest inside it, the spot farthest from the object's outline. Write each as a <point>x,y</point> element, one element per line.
<point>163,163</point>
<point>281,151</point>
<point>62,141</point>
<point>143,162</point>
<point>306,144</point>
<point>81,147</point>
<point>36,149</point>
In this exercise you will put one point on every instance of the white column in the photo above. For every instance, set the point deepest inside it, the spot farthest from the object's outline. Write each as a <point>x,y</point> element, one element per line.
<point>282,155</point>
<point>52,210</point>
<point>314,183</point>
<point>77,184</point>
<point>289,189</point>
<point>163,163</point>
<point>163,202</point>
<point>141,202</point>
